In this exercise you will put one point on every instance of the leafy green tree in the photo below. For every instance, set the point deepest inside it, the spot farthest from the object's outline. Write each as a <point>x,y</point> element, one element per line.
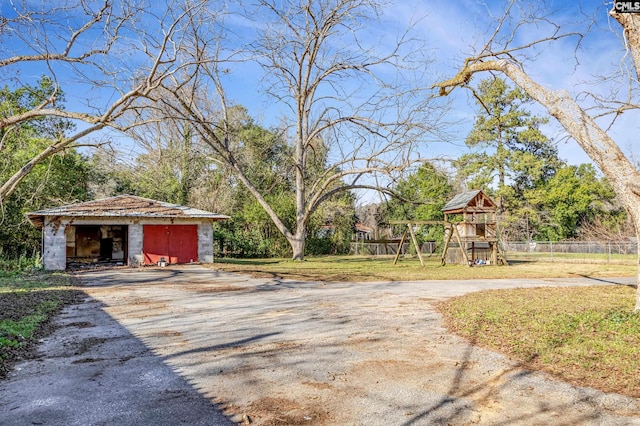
<point>338,217</point>
<point>421,196</point>
<point>575,195</point>
<point>61,178</point>
<point>250,232</point>
<point>510,151</point>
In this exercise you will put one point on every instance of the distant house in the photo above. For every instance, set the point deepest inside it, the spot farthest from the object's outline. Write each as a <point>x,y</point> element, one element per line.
<point>125,229</point>
<point>326,231</point>
<point>362,232</point>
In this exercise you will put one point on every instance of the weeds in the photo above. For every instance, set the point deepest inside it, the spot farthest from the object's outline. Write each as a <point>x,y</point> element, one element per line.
<point>20,264</point>
<point>27,301</point>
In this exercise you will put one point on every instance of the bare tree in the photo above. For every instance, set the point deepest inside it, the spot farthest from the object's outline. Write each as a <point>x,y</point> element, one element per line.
<point>105,55</point>
<point>345,115</point>
<point>502,54</point>
<point>598,230</point>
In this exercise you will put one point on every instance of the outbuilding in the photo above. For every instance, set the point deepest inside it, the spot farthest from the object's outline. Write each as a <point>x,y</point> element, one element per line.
<point>125,230</point>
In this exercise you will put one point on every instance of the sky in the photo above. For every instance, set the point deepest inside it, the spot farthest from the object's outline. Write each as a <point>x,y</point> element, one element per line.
<point>460,28</point>
<point>454,30</point>
<point>451,32</point>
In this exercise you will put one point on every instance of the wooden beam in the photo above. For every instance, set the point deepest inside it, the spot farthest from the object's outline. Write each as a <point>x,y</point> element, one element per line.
<point>418,222</point>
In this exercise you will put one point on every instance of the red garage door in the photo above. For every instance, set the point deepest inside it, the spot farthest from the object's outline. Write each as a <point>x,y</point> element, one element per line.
<point>176,243</point>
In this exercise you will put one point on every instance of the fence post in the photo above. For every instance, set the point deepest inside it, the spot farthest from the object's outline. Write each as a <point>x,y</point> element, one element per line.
<point>551,249</point>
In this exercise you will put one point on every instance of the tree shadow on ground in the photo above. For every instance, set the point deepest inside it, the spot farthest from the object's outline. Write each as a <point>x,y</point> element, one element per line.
<point>90,360</point>
<point>463,403</point>
<point>607,280</point>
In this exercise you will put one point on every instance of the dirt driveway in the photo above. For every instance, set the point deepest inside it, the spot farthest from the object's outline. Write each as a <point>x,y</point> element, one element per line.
<point>281,352</point>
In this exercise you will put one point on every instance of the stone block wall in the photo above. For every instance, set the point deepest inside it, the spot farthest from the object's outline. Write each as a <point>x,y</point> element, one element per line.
<point>55,242</point>
<point>54,253</point>
<point>135,238</point>
<point>205,243</point>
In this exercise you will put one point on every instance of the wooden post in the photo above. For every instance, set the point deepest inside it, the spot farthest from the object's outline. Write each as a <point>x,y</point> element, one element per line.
<point>462,248</point>
<point>415,243</point>
<point>404,235</point>
<point>443,258</point>
<point>494,253</point>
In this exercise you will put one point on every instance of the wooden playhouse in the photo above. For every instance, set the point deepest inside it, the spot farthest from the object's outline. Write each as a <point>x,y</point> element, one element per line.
<point>471,234</point>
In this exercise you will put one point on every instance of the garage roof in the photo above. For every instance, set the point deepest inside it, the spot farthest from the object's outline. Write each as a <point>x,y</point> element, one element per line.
<point>123,206</point>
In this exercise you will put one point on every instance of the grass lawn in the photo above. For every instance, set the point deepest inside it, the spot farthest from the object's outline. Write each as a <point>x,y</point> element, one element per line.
<point>360,268</point>
<point>27,302</point>
<point>621,259</point>
<point>585,335</point>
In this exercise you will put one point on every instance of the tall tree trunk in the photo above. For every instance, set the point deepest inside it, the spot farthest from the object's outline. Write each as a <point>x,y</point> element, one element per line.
<point>298,240</point>
<point>502,155</point>
<point>631,200</point>
<point>637,308</point>
<point>631,24</point>
<point>297,246</point>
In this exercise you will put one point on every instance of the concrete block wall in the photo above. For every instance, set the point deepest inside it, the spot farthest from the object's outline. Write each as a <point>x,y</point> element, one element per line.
<point>135,238</point>
<point>55,244</point>
<point>54,254</point>
<point>205,243</point>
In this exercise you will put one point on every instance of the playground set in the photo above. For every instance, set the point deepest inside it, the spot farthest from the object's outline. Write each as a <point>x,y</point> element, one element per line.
<point>470,231</point>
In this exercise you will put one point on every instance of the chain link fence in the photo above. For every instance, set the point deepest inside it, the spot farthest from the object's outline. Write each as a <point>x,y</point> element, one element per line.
<point>584,251</point>
<point>622,252</point>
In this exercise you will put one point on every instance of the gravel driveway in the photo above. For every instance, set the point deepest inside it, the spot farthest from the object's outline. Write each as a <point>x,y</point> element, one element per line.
<point>281,352</point>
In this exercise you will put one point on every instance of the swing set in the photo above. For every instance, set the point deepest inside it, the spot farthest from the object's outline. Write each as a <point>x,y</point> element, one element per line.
<point>475,233</point>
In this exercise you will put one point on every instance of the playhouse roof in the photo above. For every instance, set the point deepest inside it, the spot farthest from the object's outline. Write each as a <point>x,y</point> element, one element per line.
<point>475,198</point>
<point>123,206</point>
